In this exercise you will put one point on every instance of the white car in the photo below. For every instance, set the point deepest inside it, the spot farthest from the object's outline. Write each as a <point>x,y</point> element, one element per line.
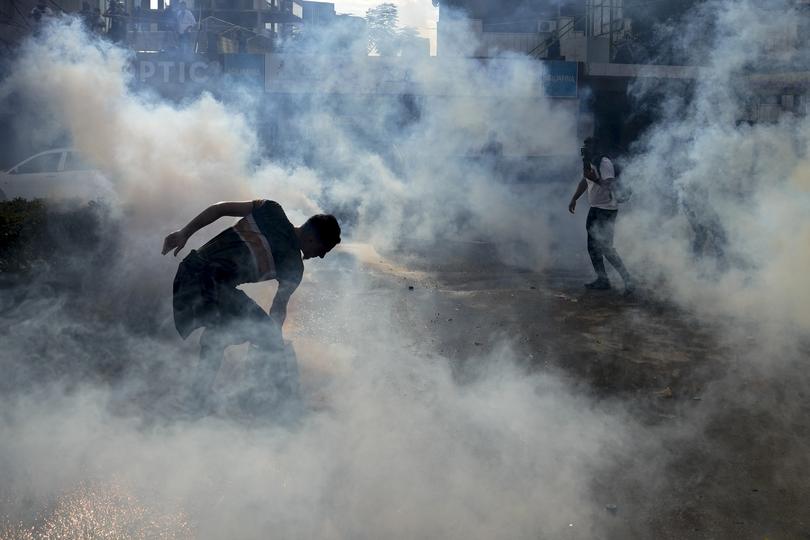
<point>58,174</point>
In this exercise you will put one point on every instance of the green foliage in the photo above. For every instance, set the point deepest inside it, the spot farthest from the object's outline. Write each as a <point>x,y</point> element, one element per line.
<point>383,37</point>
<point>21,232</point>
<point>32,232</point>
<point>409,41</point>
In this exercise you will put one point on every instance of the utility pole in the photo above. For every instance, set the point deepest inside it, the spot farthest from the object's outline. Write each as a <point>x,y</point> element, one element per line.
<point>588,23</point>
<point>610,43</point>
<point>259,5</point>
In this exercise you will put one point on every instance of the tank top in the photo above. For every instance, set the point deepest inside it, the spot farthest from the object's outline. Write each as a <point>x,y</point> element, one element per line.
<point>259,247</point>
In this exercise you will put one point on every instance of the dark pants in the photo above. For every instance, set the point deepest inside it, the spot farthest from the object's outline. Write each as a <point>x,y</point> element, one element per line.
<point>709,236</point>
<point>270,385</point>
<point>203,297</point>
<point>600,225</point>
<point>186,40</point>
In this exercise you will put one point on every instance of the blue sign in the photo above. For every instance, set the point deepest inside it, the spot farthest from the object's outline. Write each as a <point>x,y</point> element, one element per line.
<point>560,79</point>
<point>244,66</point>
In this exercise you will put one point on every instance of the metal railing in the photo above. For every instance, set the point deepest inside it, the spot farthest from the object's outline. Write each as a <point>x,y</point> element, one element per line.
<point>143,39</point>
<point>226,30</point>
<point>542,49</point>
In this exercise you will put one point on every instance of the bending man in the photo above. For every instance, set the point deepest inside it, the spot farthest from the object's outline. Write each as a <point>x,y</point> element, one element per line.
<point>261,246</point>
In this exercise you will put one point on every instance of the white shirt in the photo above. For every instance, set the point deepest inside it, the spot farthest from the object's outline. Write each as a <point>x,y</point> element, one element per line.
<point>602,196</point>
<point>185,20</point>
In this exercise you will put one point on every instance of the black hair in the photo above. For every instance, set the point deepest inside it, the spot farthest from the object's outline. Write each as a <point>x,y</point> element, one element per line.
<point>326,229</point>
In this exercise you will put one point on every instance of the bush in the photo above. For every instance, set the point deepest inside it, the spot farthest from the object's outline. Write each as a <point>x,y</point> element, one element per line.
<point>21,234</point>
<point>35,232</point>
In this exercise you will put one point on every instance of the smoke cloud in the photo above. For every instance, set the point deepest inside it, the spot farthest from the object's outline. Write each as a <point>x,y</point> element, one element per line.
<point>395,444</point>
<point>742,186</point>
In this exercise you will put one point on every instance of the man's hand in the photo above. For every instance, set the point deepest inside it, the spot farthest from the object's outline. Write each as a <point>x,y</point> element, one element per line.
<point>572,206</point>
<point>590,174</point>
<point>175,241</point>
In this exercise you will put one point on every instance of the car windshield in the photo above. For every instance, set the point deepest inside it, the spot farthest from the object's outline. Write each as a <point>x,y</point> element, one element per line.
<point>46,163</point>
<point>74,162</point>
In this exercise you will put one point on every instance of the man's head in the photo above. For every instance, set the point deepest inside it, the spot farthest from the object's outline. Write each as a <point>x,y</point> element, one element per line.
<point>590,148</point>
<point>182,5</point>
<point>319,235</point>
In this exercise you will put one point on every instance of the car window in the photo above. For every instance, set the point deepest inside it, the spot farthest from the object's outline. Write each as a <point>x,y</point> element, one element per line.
<point>46,163</point>
<point>74,162</point>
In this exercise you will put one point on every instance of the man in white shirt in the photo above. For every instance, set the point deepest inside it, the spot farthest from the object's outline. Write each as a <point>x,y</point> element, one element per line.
<point>597,181</point>
<point>185,25</point>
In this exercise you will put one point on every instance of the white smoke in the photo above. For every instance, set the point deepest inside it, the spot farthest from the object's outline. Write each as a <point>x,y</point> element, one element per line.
<point>746,184</point>
<point>403,451</point>
<point>398,448</point>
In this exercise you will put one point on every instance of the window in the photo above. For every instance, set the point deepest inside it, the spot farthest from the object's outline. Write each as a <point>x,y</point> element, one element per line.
<point>74,162</point>
<point>46,163</point>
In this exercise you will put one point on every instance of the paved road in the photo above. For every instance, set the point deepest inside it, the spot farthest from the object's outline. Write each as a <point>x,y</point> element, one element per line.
<point>722,431</point>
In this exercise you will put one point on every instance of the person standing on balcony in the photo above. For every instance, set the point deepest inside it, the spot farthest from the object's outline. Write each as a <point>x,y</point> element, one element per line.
<point>186,23</point>
<point>118,21</point>
<point>98,24</point>
<point>86,16</point>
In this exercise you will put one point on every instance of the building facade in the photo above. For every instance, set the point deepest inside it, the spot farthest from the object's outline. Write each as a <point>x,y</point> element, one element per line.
<point>573,30</point>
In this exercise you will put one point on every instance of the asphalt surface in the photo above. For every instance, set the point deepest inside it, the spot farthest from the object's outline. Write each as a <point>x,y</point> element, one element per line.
<point>724,443</point>
<point>721,431</point>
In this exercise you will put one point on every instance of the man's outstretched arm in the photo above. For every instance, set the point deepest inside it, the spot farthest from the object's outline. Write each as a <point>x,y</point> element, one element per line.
<point>176,240</point>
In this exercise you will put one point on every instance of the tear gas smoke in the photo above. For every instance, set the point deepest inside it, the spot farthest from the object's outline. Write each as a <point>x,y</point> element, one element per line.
<point>742,187</point>
<point>417,181</point>
<point>401,449</point>
<point>158,155</point>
